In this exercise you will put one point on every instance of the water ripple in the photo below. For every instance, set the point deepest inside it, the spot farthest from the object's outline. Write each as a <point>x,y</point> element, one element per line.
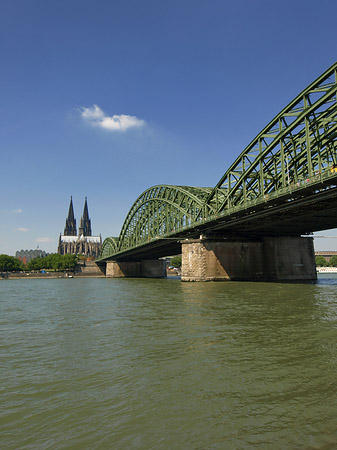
<point>164,365</point>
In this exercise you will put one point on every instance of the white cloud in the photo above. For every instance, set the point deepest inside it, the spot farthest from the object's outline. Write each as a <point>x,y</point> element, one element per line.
<point>45,239</point>
<point>12,211</point>
<point>96,117</point>
<point>22,229</point>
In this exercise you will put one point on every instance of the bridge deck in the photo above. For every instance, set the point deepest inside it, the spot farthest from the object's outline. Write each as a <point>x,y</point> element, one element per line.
<point>298,209</point>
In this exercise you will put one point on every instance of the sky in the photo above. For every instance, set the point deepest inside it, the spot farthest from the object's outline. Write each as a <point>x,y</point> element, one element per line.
<point>104,99</point>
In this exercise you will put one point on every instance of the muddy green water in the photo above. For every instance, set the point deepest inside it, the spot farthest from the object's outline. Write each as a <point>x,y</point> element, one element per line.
<point>164,365</point>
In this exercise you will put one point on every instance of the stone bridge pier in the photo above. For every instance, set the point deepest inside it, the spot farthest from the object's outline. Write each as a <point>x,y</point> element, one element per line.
<point>152,268</point>
<point>268,259</point>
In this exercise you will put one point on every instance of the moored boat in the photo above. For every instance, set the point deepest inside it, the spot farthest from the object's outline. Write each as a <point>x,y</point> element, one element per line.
<point>326,269</point>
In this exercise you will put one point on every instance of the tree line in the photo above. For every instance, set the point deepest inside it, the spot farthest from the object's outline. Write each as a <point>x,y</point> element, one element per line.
<point>51,262</point>
<point>322,262</point>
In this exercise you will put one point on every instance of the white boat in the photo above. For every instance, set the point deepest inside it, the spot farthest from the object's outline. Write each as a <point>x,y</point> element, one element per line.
<point>326,269</point>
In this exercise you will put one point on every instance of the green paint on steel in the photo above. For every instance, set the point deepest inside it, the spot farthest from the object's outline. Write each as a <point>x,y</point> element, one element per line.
<point>109,247</point>
<point>297,145</point>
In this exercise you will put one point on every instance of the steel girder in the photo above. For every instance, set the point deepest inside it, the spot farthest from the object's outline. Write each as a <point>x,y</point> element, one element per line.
<point>109,247</point>
<point>298,144</point>
<point>295,150</point>
<point>159,211</point>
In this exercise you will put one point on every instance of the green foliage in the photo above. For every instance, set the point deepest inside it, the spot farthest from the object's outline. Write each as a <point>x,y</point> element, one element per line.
<point>10,264</point>
<point>82,257</point>
<point>176,261</point>
<point>333,261</point>
<point>53,262</point>
<point>321,261</point>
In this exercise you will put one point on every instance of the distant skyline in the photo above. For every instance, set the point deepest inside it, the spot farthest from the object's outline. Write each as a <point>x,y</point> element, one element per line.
<point>104,99</point>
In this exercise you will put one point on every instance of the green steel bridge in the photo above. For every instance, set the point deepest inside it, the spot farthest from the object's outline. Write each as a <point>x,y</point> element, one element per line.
<point>284,183</point>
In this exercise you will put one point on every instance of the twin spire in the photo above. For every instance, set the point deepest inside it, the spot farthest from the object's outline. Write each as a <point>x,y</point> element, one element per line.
<point>85,223</point>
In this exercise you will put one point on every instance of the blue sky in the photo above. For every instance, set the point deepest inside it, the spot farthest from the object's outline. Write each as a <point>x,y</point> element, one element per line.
<point>105,99</point>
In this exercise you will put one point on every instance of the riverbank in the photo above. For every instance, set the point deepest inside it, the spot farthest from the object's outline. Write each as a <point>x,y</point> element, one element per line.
<point>47,275</point>
<point>83,269</point>
<point>68,274</point>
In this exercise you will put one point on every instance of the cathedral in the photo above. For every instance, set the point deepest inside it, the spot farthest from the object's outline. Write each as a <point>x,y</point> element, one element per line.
<point>82,243</point>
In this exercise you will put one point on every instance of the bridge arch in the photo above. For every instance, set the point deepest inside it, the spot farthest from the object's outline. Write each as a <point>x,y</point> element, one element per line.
<point>109,247</point>
<point>157,211</point>
<point>161,210</point>
<point>298,148</point>
<point>297,145</point>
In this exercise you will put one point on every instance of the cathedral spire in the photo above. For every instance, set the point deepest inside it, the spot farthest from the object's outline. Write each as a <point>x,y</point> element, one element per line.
<point>85,210</point>
<point>70,228</point>
<point>85,224</point>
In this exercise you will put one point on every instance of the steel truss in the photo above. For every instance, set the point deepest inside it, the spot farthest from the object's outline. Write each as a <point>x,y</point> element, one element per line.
<point>298,144</point>
<point>159,211</point>
<point>296,149</point>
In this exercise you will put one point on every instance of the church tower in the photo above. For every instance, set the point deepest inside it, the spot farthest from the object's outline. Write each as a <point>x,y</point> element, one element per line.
<point>70,228</point>
<point>84,243</point>
<point>85,223</point>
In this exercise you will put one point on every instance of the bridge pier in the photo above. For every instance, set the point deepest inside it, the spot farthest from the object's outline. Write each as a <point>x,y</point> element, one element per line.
<point>269,259</point>
<point>154,268</point>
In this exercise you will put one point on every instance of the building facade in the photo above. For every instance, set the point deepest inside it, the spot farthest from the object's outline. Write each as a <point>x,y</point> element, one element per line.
<point>27,255</point>
<point>83,243</point>
<point>326,254</point>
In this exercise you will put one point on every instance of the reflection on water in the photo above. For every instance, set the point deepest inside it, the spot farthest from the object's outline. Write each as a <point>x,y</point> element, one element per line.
<point>159,364</point>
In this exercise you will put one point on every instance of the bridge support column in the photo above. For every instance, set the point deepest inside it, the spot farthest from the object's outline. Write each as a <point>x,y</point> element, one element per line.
<point>121,269</point>
<point>155,268</point>
<point>270,259</point>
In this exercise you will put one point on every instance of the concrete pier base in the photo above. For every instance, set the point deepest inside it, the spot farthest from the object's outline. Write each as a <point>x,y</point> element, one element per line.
<point>269,259</point>
<point>154,268</point>
<point>122,269</point>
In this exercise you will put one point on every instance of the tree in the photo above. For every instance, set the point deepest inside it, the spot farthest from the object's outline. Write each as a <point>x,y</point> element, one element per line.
<point>10,264</point>
<point>176,261</point>
<point>333,261</point>
<point>321,261</point>
<point>35,264</point>
<point>53,262</point>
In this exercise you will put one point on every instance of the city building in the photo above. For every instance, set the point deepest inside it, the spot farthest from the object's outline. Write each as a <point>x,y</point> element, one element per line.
<point>326,254</point>
<point>81,243</point>
<point>27,255</point>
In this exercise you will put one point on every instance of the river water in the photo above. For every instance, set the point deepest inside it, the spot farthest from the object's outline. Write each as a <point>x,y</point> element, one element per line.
<point>143,364</point>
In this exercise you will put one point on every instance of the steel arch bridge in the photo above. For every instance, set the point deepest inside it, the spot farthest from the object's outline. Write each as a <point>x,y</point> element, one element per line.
<point>284,182</point>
